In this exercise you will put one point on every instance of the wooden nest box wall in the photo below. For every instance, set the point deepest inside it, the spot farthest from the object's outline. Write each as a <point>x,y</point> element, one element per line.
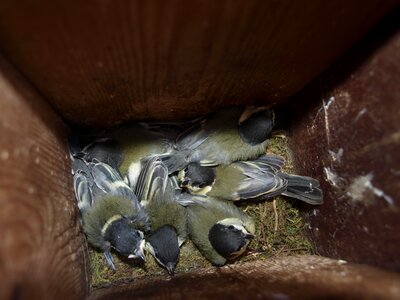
<point>99,63</point>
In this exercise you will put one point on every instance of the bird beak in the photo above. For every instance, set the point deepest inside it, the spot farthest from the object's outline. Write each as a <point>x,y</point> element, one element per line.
<point>249,236</point>
<point>171,269</point>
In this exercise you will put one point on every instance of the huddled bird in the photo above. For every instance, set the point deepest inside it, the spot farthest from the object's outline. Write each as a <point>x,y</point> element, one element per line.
<point>220,230</point>
<point>249,179</point>
<point>150,186</point>
<point>112,217</point>
<point>226,136</point>
<point>168,218</point>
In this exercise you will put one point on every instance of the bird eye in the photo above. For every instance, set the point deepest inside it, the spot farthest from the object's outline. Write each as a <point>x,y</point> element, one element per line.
<point>231,227</point>
<point>185,182</point>
<point>201,185</point>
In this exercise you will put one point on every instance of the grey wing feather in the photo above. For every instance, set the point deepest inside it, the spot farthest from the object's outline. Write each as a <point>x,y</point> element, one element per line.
<point>303,188</point>
<point>186,199</point>
<point>110,181</point>
<point>186,142</point>
<point>175,161</point>
<point>104,176</point>
<point>83,192</point>
<point>274,161</point>
<point>174,182</point>
<point>152,178</point>
<point>78,165</point>
<point>193,137</point>
<point>261,179</point>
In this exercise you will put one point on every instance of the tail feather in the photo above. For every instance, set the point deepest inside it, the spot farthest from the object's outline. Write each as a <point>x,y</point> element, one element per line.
<point>303,188</point>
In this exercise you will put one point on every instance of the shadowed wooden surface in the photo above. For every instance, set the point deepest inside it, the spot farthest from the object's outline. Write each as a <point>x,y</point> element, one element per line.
<point>42,251</point>
<point>350,139</point>
<point>105,62</point>
<point>294,277</point>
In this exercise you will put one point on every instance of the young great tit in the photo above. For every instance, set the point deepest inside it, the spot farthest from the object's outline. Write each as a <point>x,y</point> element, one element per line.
<point>168,218</point>
<point>230,135</point>
<point>249,179</point>
<point>218,228</point>
<point>111,214</point>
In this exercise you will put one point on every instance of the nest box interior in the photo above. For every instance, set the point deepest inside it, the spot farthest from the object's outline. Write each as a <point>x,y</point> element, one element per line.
<point>331,69</point>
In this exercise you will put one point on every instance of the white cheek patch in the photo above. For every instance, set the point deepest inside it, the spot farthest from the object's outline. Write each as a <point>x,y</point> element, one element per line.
<point>149,248</point>
<point>232,221</point>
<point>180,241</point>
<point>238,224</point>
<point>198,191</point>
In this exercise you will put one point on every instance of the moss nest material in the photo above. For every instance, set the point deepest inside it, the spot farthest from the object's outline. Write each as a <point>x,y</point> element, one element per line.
<point>287,239</point>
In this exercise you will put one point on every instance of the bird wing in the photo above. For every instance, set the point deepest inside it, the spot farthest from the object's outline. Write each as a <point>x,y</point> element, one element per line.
<point>303,188</point>
<point>152,178</point>
<point>185,143</point>
<point>260,178</point>
<point>274,161</point>
<point>109,181</point>
<point>192,137</point>
<point>83,191</point>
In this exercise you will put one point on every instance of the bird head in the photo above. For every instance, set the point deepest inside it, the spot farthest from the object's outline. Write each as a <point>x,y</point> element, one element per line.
<point>196,178</point>
<point>256,124</point>
<point>229,238</point>
<point>124,238</point>
<point>164,246</point>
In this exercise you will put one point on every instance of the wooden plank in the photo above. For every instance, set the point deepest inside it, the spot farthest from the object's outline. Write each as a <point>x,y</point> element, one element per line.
<point>42,250</point>
<point>293,277</point>
<point>347,132</point>
<point>104,62</point>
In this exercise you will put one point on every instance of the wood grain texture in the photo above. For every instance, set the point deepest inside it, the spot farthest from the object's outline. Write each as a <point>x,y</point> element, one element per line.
<point>295,277</point>
<point>104,62</point>
<point>42,250</point>
<point>350,139</point>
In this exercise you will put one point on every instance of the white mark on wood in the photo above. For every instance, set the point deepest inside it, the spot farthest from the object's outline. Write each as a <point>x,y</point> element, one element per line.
<point>332,177</point>
<point>315,118</point>
<point>336,156</point>
<point>4,155</point>
<point>360,114</point>
<point>37,160</point>
<point>380,193</point>
<point>362,184</point>
<point>326,107</point>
